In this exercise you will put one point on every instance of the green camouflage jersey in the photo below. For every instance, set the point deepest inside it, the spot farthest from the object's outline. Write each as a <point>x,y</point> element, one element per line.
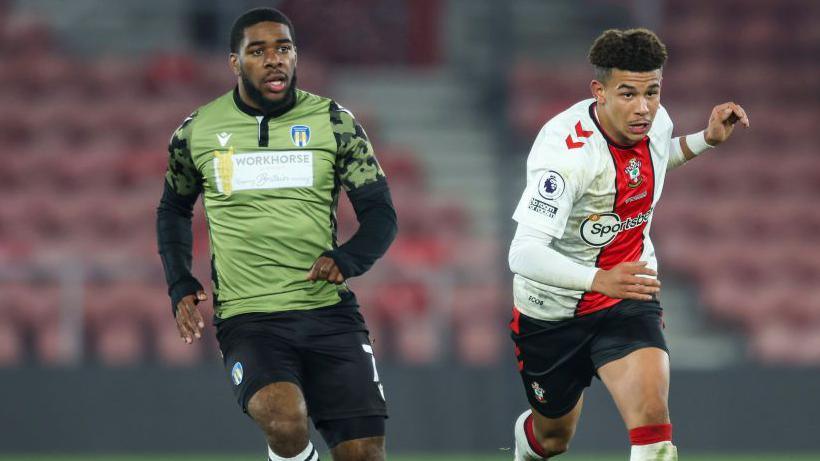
<point>270,188</point>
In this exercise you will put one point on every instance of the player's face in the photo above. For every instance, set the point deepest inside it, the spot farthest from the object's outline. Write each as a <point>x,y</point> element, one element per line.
<point>627,103</point>
<point>265,62</point>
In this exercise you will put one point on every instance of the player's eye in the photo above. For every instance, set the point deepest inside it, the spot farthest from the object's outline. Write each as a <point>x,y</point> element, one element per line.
<point>284,49</point>
<point>256,52</point>
<point>628,95</point>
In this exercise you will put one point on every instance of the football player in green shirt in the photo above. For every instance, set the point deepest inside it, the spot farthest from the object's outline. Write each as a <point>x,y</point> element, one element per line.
<point>270,161</point>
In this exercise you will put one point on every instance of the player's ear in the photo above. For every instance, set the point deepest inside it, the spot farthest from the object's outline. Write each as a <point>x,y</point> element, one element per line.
<point>597,90</point>
<point>233,62</point>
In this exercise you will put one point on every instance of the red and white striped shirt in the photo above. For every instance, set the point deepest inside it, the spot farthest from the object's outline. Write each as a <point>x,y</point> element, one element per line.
<point>595,198</point>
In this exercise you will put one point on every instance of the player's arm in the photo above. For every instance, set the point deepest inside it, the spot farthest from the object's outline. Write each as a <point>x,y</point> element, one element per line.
<point>721,124</point>
<point>183,184</point>
<point>366,186</point>
<point>531,256</point>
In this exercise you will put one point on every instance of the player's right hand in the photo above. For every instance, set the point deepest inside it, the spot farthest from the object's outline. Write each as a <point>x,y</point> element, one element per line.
<point>624,281</point>
<point>189,320</point>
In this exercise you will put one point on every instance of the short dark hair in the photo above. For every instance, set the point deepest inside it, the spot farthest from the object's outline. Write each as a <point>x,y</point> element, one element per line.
<point>636,50</point>
<point>256,16</point>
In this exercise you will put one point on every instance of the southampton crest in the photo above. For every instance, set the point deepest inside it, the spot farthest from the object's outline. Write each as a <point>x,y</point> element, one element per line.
<point>633,172</point>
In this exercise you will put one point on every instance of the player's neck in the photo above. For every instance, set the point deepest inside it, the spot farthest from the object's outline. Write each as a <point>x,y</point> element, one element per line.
<point>250,105</point>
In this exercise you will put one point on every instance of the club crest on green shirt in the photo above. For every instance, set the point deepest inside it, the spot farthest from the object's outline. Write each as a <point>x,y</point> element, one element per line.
<point>300,135</point>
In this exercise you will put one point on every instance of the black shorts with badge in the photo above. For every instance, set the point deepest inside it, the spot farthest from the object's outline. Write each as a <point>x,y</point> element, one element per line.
<point>557,359</point>
<point>325,351</point>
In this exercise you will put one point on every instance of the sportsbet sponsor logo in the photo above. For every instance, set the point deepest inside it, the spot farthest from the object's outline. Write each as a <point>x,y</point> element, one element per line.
<point>599,230</point>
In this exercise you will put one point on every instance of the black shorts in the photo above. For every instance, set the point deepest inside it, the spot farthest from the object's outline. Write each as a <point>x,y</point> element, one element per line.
<point>325,351</point>
<point>557,359</point>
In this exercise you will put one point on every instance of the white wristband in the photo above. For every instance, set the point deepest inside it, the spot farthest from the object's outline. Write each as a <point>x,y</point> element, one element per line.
<point>697,142</point>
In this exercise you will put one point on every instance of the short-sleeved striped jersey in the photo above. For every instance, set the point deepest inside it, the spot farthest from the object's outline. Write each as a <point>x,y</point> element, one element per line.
<point>595,198</point>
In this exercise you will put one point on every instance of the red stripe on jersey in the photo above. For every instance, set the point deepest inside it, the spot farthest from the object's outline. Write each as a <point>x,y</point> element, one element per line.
<point>514,326</point>
<point>634,176</point>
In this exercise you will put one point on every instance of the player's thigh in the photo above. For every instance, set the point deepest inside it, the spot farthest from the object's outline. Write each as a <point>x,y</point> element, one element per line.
<point>639,385</point>
<point>554,363</point>
<point>256,353</point>
<point>631,358</point>
<point>341,380</point>
<point>344,393</point>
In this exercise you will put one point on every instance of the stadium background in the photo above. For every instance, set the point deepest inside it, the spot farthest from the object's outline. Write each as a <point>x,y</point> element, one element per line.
<point>452,93</point>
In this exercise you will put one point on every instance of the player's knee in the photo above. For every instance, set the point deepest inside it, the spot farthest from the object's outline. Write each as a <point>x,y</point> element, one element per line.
<point>655,412</point>
<point>286,428</point>
<point>555,440</point>
<point>554,446</point>
<point>287,438</point>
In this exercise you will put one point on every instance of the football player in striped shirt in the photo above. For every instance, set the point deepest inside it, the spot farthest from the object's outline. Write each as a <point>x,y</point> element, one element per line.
<point>586,292</point>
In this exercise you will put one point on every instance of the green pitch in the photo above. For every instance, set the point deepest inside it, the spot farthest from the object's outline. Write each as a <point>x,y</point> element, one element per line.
<point>499,457</point>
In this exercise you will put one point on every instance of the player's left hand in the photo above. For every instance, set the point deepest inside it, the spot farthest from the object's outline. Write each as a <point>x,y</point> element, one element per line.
<point>722,122</point>
<point>325,268</point>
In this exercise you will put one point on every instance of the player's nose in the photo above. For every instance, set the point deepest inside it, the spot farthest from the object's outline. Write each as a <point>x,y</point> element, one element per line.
<point>272,59</point>
<point>643,106</point>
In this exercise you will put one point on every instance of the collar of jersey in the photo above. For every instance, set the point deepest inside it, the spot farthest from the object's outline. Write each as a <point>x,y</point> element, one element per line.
<point>286,105</point>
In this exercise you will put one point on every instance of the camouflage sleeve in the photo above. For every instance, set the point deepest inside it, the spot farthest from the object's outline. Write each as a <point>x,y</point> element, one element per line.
<point>356,164</point>
<point>182,175</point>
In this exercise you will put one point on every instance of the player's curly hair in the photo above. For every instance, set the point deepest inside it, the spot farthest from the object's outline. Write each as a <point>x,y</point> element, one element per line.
<point>255,16</point>
<point>636,50</point>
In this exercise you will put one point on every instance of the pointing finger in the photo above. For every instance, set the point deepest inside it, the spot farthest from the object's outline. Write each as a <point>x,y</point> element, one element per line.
<point>744,119</point>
